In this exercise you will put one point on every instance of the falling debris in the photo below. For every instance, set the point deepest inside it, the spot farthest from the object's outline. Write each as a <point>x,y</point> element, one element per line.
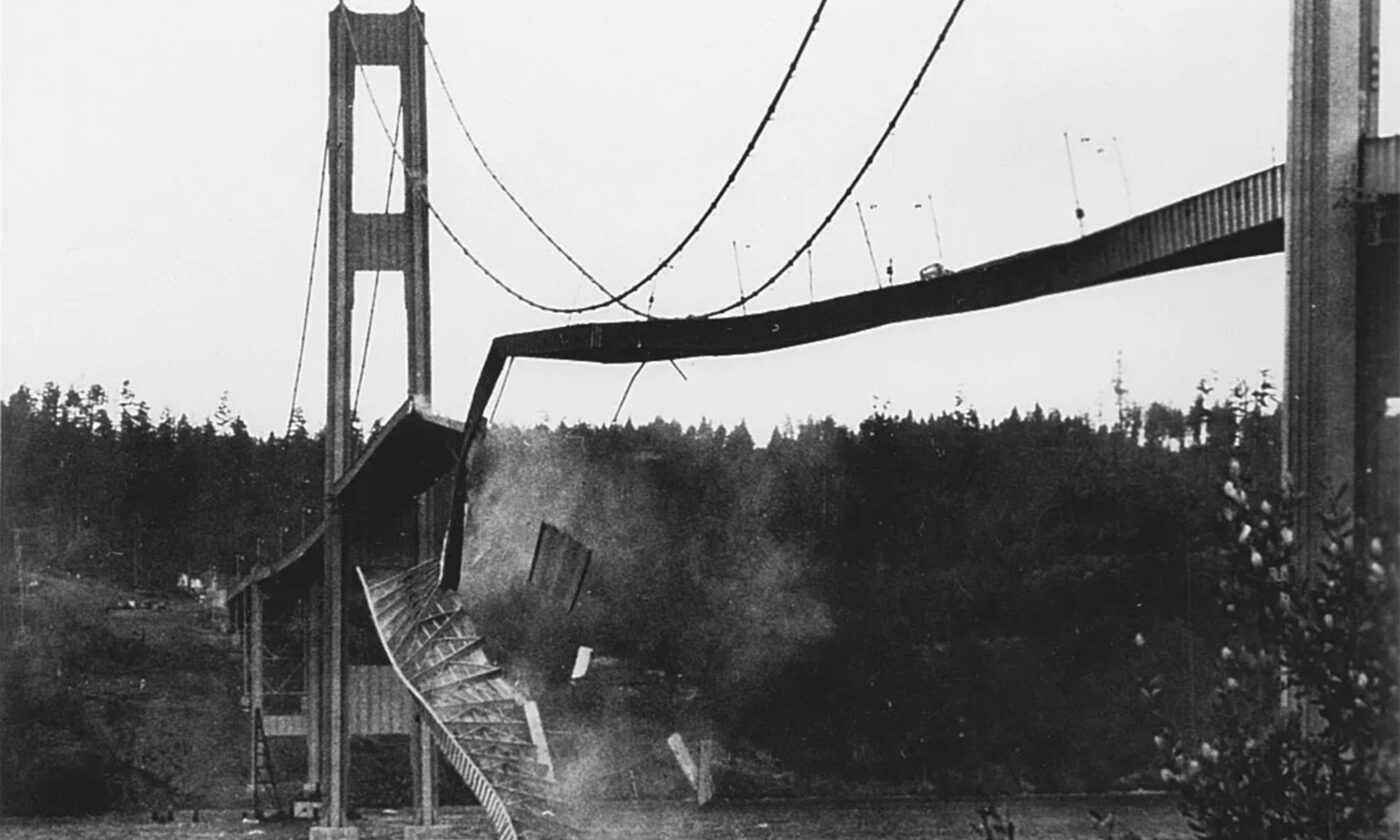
<point>704,784</point>
<point>683,758</point>
<point>559,566</point>
<point>581,662</point>
<point>537,734</point>
<point>698,774</point>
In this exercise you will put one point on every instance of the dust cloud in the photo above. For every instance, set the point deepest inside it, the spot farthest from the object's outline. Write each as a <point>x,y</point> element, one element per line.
<point>692,598</point>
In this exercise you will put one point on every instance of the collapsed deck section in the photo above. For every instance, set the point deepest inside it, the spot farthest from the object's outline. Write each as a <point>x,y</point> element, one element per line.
<point>489,733</point>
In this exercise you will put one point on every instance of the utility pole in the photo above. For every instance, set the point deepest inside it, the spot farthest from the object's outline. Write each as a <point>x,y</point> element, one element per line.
<point>1074,186</point>
<point>256,680</point>
<point>136,556</point>
<point>19,573</point>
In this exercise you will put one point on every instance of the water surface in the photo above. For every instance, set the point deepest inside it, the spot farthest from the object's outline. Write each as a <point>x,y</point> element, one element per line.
<point>1036,818</point>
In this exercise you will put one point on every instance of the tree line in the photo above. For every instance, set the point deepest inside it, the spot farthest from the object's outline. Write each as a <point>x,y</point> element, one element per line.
<point>942,599</point>
<point>939,602</point>
<point>98,486</point>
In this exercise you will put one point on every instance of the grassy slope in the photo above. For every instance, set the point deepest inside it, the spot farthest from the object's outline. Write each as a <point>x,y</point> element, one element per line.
<point>139,702</point>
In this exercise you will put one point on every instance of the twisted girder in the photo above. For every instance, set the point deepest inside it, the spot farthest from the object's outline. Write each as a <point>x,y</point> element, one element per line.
<point>477,718</point>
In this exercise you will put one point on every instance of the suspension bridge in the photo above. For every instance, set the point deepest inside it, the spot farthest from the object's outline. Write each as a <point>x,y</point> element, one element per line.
<point>1333,210</point>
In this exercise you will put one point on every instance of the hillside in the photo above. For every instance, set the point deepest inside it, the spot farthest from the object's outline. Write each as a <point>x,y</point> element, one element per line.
<point>107,706</point>
<point>940,602</point>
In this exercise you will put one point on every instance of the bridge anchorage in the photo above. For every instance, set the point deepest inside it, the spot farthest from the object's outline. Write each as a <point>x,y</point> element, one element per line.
<point>428,677</point>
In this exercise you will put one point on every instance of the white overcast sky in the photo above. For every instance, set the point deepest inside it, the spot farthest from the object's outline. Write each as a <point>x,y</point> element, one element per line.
<point>160,165</point>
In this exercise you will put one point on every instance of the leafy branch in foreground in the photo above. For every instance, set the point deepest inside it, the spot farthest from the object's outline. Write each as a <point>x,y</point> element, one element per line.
<point>1304,736</point>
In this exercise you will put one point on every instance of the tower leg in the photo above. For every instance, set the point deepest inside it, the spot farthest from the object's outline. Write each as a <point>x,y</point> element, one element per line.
<point>314,623</point>
<point>1378,367</point>
<point>255,682</point>
<point>1325,126</point>
<point>364,242</point>
<point>425,777</point>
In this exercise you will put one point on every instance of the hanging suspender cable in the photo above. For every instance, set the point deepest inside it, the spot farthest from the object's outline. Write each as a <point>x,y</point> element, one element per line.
<point>811,293</point>
<point>865,231</point>
<point>310,279</point>
<point>1074,185</point>
<point>738,272</point>
<point>481,158</point>
<point>937,237</point>
<point>628,390</point>
<point>501,392</point>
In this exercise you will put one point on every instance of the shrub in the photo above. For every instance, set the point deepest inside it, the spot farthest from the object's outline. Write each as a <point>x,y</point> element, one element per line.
<point>1303,741</point>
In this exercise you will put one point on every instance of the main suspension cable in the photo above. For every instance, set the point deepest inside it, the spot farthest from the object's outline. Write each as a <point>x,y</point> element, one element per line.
<point>462,246</point>
<point>496,179</point>
<point>743,158</point>
<point>620,298</point>
<point>850,188</point>
<point>787,264</point>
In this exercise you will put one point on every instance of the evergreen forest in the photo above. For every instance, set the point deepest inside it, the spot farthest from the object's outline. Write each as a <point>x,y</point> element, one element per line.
<point>942,603</point>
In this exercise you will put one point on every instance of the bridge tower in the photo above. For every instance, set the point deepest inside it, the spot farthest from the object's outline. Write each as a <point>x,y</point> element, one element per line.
<point>1341,230</point>
<point>365,242</point>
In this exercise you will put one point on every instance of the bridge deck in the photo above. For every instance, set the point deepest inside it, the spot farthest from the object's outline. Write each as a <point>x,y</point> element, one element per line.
<point>1241,219</point>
